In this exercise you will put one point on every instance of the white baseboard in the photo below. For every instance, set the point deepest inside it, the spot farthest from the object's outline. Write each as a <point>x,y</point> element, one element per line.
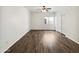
<point>41,29</point>
<point>73,39</point>
<point>14,42</point>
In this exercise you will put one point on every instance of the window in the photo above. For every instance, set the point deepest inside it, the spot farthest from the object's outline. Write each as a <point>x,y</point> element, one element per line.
<point>49,20</point>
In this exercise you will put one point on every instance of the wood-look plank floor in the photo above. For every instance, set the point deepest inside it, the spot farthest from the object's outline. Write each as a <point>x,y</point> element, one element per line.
<point>38,41</point>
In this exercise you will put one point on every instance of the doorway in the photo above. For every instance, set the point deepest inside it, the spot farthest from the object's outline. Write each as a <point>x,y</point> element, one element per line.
<point>43,21</point>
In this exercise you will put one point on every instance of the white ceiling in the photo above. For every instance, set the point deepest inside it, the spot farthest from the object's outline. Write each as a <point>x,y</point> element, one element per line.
<point>56,9</point>
<point>38,8</point>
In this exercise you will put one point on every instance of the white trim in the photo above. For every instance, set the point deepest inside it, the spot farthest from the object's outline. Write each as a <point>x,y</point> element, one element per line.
<point>73,39</point>
<point>15,41</point>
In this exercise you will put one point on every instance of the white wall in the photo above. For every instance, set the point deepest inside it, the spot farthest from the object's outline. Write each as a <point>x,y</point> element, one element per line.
<point>39,23</point>
<point>70,21</point>
<point>15,22</point>
<point>77,24</point>
<point>0,27</point>
<point>70,25</point>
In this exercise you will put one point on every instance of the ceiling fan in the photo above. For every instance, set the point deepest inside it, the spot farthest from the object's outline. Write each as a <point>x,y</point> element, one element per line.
<point>45,9</point>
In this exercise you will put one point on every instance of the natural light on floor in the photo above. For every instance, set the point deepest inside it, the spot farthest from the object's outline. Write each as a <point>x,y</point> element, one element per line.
<point>49,40</point>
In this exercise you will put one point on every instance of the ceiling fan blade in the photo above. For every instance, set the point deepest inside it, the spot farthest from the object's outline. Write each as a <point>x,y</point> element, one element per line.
<point>49,8</point>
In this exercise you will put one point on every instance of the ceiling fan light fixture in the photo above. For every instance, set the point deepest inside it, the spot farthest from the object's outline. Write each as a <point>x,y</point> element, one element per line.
<point>44,9</point>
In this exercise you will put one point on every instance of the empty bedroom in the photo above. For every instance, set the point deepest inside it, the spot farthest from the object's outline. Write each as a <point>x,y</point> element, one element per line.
<point>39,29</point>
